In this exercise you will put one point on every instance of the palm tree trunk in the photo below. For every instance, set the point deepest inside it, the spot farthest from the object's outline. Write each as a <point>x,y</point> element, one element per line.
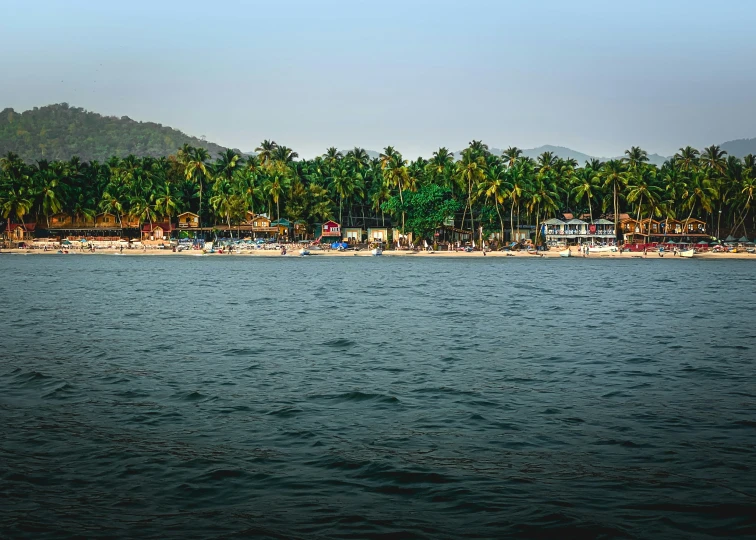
<point>501,221</point>
<point>511,221</point>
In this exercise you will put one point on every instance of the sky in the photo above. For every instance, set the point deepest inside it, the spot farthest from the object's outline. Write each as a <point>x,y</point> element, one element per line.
<point>595,76</point>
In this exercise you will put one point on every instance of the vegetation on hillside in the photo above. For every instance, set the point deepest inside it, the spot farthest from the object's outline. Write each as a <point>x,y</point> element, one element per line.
<point>60,132</point>
<point>478,190</point>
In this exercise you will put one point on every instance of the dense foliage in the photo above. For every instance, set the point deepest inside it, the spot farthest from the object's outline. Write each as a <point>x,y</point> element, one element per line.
<point>58,132</point>
<point>478,190</point>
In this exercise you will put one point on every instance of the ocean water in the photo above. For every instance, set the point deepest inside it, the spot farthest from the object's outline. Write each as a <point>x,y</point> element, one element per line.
<point>384,397</point>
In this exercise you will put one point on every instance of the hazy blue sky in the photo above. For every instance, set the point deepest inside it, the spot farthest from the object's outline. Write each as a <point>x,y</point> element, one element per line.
<point>597,76</point>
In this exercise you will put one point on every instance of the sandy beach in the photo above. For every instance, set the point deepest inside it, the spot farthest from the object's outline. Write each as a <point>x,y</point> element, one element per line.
<point>388,253</point>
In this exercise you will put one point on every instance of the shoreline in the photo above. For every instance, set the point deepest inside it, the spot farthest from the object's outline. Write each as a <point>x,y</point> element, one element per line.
<point>366,253</point>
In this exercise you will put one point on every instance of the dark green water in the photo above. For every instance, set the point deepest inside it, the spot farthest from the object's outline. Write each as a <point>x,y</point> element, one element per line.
<point>376,397</point>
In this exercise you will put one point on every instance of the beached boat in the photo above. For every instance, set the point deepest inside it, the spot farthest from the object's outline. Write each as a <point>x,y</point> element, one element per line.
<point>304,252</point>
<point>565,253</point>
<point>375,252</point>
<point>687,253</point>
<point>602,249</point>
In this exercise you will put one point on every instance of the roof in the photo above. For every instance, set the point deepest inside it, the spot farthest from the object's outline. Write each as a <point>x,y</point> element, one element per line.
<point>28,226</point>
<point>567,215</point>
<point>187,214</point>
<point>331,223</point>
<point>149,227</point>
<point>283,222</point>
<point>575,221</point>
<point>603,221</point>
<point>553,221</point>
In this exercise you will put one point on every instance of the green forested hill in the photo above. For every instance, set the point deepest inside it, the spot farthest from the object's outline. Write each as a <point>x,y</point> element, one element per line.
<point>59,132</point>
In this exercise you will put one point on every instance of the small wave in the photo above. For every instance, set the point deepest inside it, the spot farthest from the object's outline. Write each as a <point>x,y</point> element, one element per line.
<point>358,396</point>
<point>32,376</point>
<point>61,391</point>
<point>241,352</point>
<point>286,412</point>
<point>340,342</point>
<point>195,396</point>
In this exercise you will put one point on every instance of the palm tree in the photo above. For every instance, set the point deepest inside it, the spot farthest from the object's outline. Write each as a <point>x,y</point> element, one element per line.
<point>635,157</point>
<point>469,172</point>
<point>49,188</point>
<point>586,183</point>
<point>511,155</point>
<point>332,156</point>
<point>284,155</point>
<point>265,151</point>
<point>687,158</point>
<point>440,167</point>
<point>713,158</point>
<point>166,203</point>
<point>346,185</point>
<point>195,169</point>
<point>494,187</point>
<point>614,176</point>
<point>275,186</point>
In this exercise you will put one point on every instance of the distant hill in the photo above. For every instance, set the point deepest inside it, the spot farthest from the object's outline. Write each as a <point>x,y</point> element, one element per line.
<point>56,132</point>
<point>740,147</point>
<point>567,153</point>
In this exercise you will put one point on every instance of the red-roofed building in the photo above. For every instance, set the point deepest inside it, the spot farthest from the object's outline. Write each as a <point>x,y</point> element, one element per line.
<point>157,231</point>
<point>17,232</point>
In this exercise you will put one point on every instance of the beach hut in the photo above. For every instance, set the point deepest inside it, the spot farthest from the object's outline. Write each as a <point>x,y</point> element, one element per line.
<point>377,235</point>
<point>60,221</point>
<point>352,235</point>
<point>649,226</point>
<point>694,226</point>
<point>188,220</point>
<point>17,232</point>
<point>106,221</point>
<point>156,231</point>
<point>670,227</point>
<point>330,228</point>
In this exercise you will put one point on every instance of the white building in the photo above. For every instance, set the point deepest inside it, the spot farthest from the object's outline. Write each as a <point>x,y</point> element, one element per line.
<point>577,231</point>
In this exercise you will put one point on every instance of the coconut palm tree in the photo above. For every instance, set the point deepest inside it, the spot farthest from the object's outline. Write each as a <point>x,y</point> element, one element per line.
<point>511,155</point>
<point>494,188</point>
<point>265,151</point>
<point>346,185</point>
<point>196,170</point>
<point>284,155</point>
<point>166,202</point>
<point>586,182</point>
<point>687,158</point>
<point>49,180</point>
<point>614,176</point>
<point>470,171</point>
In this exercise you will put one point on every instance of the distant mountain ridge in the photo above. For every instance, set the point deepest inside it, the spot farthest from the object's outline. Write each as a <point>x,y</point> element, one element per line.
<point>567,153</point>
<point>59,132</point>
<point>739,147</point>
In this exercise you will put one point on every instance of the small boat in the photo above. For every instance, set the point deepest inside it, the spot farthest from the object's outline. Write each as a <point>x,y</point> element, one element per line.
<point>688,253</point>
<point>303,252</point>
<point>375,252</point>
<point>565,253</point>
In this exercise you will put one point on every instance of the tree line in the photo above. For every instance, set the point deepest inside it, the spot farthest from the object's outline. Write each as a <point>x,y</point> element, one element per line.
<point>478,190</point>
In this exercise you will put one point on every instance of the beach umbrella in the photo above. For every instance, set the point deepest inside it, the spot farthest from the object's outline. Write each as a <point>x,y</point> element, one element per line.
<point>83,241</point>
<point>66,242</point>
<point>730,238</point>
<point>743,239</point>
